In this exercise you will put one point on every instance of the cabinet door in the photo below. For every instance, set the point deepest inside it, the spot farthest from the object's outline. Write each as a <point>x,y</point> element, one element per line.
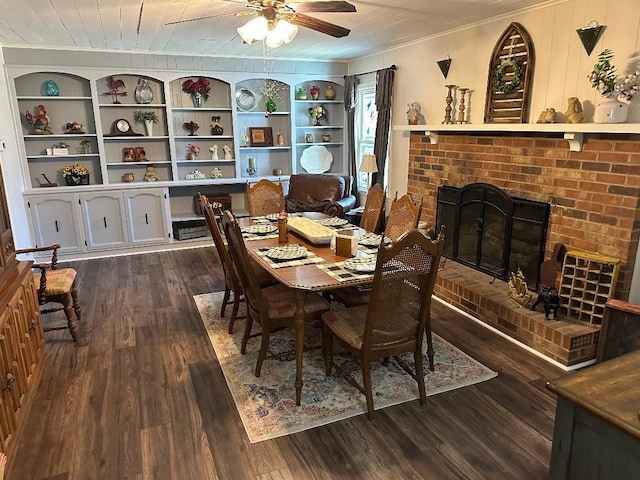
<point>147,215</point>
<point>104,220</point>
<point>55,220</point>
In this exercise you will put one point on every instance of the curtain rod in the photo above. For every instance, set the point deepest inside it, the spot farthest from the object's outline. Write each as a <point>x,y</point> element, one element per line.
<point>392,67</point>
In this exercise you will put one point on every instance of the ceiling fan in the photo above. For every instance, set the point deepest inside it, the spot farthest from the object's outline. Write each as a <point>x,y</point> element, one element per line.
<point>291,11</point>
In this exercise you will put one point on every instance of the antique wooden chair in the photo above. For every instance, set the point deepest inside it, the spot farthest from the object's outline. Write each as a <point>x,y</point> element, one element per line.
<point>272,307</point>
<point>56,285</point>
<point>398,315</point>
<point>404,215</point>
<point>231,281</point>
<point>373,208</point>
<point>265,197</point>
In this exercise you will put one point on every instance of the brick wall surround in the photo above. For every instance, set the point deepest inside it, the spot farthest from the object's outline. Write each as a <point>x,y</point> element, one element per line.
<point>594,194</point>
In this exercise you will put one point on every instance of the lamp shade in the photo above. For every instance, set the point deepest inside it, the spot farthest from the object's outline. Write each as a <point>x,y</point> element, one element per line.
<point>255,29</point>
<point>368,164</point>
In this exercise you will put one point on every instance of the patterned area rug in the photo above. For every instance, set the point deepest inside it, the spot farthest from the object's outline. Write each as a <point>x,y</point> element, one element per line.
<point>267,404</point>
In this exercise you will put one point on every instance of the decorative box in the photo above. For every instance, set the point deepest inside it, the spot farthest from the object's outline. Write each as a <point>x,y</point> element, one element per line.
<point>59,151</point>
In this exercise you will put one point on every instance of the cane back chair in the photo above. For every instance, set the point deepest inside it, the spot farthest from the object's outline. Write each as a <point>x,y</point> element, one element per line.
<point>373,208</point>
<point>265,197</point>
<point>404,215</point>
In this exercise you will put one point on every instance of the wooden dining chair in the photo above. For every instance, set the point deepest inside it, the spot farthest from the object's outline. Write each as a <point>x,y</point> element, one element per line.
<point>373,208</point>
<point>404,215</point>
<point>272,307</point>
<point>398,315</point>
<point>231,282</point>
<point>56,286</point>
<point>265,197</point>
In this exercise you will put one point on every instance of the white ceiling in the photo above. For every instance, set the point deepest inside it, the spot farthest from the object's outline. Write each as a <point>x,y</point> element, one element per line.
<point>113,24</point>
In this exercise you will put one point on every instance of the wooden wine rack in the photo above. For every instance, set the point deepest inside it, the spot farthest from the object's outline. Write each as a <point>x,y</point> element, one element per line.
<point>588,282</point>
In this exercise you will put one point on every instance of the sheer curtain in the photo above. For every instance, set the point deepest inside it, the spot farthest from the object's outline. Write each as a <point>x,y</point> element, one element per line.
<point>384,94</point>
<point>350,85</point>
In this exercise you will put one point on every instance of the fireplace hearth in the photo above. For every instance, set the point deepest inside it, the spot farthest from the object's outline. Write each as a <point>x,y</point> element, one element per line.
<point>494,233</point>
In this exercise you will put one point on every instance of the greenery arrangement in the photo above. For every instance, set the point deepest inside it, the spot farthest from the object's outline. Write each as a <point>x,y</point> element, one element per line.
<point>141,116</point>
<point>498,77</point>
<point>603,78</point>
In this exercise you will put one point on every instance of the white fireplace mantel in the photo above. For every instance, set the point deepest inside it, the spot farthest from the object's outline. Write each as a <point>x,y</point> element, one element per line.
<point>573,132</point>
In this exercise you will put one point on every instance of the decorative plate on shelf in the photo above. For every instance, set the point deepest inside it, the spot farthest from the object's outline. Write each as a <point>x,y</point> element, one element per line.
<point>287,252</point>
<point>362,265</point>
<point>261,229</point>
<point>316,159</point>
<point>245,100</point>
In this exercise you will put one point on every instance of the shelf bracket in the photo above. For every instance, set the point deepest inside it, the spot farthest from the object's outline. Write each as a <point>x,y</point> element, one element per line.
<point>575,140</point>
<point>433,137</point>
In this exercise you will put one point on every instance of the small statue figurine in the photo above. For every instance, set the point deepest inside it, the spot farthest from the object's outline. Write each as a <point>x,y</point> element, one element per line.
<point>216,173</point>
<point>214,152</point>
<point>547,116</point>
<point>574,111</point>
<point>550,300</point>
<point>227,152</point>
<point>413,114</point>
<point>518,290</point>
<point>150,175</point>
<point>40,123</point>
<point>280,138</point>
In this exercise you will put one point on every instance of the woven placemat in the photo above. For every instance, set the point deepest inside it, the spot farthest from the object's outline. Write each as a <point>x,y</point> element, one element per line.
<point>309,259</point>
<point>337,271</point>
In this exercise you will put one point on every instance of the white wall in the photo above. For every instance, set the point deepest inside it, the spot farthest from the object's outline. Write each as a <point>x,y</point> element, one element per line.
<point>561,65</point>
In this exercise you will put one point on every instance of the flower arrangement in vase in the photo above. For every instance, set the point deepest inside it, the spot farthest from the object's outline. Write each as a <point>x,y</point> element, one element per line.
<point>317,113</point>
<point>192,151</point>
<point>75,174</point>
<point>604,78</point>
<point>199,90</point>
<point>148,117</point>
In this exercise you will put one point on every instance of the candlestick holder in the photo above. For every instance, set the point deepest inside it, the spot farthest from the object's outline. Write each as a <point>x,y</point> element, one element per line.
<point>448,108</point>
<point>462,92</point>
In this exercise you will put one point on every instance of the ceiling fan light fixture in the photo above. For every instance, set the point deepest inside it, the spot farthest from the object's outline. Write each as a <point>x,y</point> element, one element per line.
<point>286,30</point>
<point>255,29</point>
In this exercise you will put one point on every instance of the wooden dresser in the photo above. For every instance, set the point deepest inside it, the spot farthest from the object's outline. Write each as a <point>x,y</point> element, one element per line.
<point>597,427</point>
<point>21,335</point>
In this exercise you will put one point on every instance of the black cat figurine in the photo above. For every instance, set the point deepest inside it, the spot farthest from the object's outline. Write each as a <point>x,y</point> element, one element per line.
<point>550,300</point>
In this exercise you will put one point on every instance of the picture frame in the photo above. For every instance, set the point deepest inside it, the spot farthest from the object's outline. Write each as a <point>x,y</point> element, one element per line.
<point>261,136</point>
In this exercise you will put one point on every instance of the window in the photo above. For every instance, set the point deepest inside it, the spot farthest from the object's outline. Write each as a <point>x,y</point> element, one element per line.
<point>366,118</point>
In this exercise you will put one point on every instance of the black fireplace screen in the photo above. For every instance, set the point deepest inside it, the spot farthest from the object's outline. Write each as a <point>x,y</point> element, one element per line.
<point>492,232</point>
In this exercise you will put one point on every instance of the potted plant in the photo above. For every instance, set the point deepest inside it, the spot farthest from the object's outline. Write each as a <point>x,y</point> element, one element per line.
<point>199,90</point>
<point>75,174</point>
<point>148,117</point>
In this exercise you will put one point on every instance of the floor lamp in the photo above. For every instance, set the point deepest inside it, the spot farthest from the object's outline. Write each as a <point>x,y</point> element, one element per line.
<point>368,165</point>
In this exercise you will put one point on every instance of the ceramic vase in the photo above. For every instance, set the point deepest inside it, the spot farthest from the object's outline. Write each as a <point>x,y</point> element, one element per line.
<point>270,106</point>
<point>611,111</point>
<point>330,92</point>
<point>190,156</point>
<point>148,125</point>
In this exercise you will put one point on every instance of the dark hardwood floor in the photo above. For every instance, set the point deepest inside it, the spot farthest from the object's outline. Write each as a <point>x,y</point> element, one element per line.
<point>142,396</point>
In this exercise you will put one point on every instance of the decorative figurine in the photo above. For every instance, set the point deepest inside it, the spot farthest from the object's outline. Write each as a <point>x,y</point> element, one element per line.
<point>129,154</point>
<point>550,300</point>
<point>462,92</point>
<point>214,152</point>
<point>413,114</point>
<point>114,87</point>
<point>574,111</point>
<point>141,154</point>
<point>227,152</point>
<point>448,108</point>
<point>150,175</point>
<point>280,138</point>
<point>40,122</point>
<point>74,127</point>
<point>547,116</point>
<point>251,166</point>
<point>517,288</point>
<point>216,173</point>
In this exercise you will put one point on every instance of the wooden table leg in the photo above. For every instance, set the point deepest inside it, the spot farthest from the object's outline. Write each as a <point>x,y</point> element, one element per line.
<point>301,296</point>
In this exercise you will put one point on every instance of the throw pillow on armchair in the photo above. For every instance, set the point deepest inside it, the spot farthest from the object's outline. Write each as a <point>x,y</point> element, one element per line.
<point>322,192</point>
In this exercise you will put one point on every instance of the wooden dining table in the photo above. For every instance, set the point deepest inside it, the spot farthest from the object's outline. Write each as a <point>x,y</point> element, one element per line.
<point>303,278</point>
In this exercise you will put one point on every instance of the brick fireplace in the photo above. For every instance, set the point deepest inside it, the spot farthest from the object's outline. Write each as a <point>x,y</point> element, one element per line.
<point>594,196</point>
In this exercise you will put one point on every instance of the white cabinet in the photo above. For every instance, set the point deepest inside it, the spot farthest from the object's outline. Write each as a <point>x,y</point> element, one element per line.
<point>147,215</point>
<point>55,220</point>
<point>104,220</point>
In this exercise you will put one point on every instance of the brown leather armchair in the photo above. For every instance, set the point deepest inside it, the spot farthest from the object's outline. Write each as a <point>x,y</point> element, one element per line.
<point>320,192</point>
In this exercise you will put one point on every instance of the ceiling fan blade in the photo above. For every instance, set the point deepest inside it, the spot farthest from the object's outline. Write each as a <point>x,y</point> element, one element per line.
<point>245,12</point>
<point>323,6</point>
<point>319,25</point>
